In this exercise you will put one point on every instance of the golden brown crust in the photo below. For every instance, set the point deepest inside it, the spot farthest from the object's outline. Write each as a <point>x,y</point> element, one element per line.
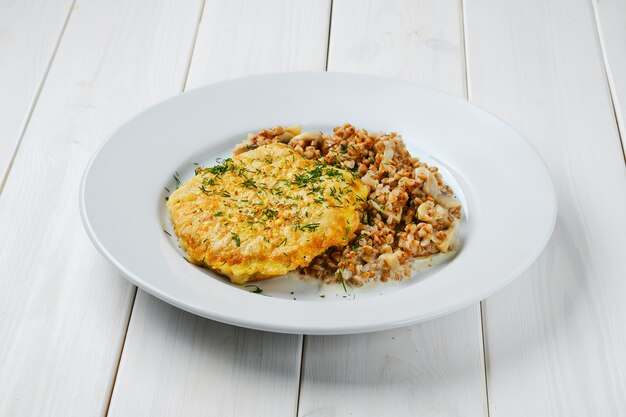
<point>264,213</point>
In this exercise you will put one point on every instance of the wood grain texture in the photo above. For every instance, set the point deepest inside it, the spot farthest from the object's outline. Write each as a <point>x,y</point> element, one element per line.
<point>611,25</point>
<point>556,338</point>
<point>175,363</point>
<point>63,310</point>
<point>178,364</point>
<point>431,369</point>
<point>29,33</point>
<point>238,38</point>
<point>419,41</point>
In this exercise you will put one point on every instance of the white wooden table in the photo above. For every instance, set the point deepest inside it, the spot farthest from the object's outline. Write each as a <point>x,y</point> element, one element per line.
<point>76,339</point>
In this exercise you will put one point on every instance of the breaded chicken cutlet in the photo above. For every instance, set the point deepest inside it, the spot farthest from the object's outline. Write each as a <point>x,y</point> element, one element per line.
<point>265,212</point>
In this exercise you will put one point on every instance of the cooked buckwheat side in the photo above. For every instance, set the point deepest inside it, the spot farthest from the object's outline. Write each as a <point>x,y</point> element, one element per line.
<point>410,212</point>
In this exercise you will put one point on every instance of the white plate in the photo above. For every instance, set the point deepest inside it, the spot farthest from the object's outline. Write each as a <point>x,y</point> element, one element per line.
<point>505,188</point>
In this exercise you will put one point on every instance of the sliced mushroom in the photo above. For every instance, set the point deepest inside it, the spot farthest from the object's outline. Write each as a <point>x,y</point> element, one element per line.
<point>448,201</point>
<point>243,147</point>
<point>369,181</point>
<point>289,133</point>
<point>379,208</point>
<point>445,244</point>
<point>388,154</point>
<point>308,137</point>
<point>430,185</point>
<point>397,200</point>
<point>424,212</point>
<point>392,259</point>
<point>430,212</point>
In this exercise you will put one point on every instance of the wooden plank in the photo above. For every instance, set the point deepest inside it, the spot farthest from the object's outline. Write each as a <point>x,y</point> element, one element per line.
<point>239,38</point>
<point>434,368</point>
<point>64,311</point>
<point>611,25</point>
<point>412,40</point>
<point>29,33</point>
<point>556,338</point>
<point>175,363</point>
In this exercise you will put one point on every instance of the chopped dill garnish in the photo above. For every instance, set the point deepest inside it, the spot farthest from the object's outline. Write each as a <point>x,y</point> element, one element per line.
<point>222,167</point>
<point>167,189</point>
<point>236,239</point>
<point>309,227</point>
<point>314,190</point>
<point>167,233</point>
<point>314,175</point>
<point>269,213</point>
<point>341,279</point>
<point>219,214</point>
<point>257,290</point>
<point>249,183</point>
<point>242,171</point>
<point>282,242</point>
<point>178,183</point>
<point>332,172</point>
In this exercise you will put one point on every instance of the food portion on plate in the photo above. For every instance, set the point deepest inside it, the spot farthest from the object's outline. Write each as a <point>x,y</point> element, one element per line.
<point>265,212</point>
<point>349,207</point>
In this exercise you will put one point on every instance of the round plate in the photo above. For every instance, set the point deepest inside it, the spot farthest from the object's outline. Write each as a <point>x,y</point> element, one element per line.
<point>505,188</point>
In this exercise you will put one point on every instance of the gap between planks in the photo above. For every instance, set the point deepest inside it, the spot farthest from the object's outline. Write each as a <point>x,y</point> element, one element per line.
<point>607,73</point>
<point>119,355</point>
<point>481,305</point>
<point>32,106</point>
<point>193,46</point>
<point>132,307</point>
<point>301,376</point>
<point>330,28</point>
